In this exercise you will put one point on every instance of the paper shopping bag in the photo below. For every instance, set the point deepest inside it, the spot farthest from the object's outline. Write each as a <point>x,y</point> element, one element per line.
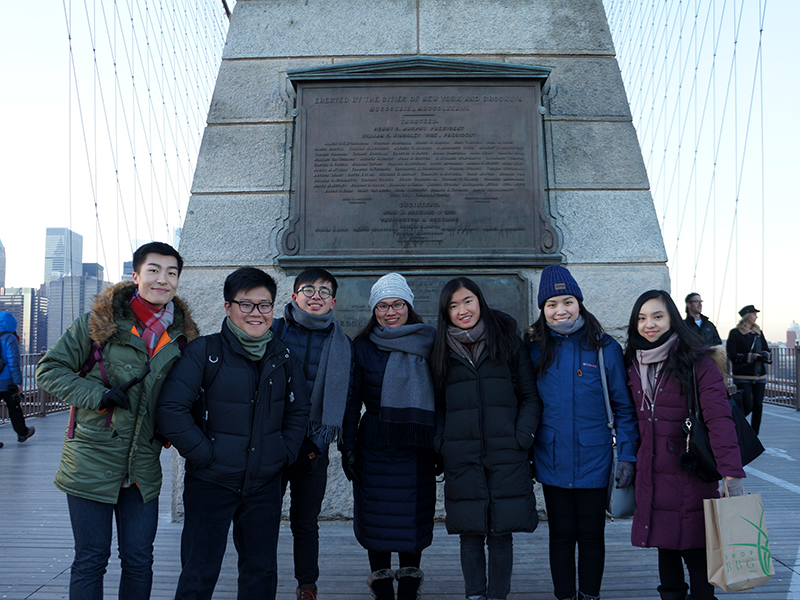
<point>737,544</point>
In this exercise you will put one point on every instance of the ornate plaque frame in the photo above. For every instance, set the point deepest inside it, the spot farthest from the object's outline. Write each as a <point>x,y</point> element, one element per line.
<point>419,162</point>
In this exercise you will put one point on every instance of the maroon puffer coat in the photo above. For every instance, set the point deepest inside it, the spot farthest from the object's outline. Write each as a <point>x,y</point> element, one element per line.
<point>669,500</point>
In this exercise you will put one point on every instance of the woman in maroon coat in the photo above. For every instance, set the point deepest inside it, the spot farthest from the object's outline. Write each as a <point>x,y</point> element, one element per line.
<point>662,358</point>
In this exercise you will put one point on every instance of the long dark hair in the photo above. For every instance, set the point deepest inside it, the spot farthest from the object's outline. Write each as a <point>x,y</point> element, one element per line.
<point>413,319</point>
<point>539,333</point>
<point>501,329</point>
<point>686,352</point>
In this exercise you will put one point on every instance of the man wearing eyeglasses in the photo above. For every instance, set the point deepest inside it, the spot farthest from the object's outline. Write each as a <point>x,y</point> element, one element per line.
<point>310,330</point>
<point>254,412</point>
<point>698,322</point>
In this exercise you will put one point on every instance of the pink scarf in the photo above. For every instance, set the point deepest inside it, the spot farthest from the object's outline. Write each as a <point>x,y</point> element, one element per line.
<point>654,357</point>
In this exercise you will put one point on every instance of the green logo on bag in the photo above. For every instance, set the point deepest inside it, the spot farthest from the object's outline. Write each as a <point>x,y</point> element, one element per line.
<point>761,546</point>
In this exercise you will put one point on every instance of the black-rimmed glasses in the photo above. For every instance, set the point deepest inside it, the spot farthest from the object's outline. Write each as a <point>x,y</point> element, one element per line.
<point>309,290</point>
<point>247,307</point>
<point>397,306</point>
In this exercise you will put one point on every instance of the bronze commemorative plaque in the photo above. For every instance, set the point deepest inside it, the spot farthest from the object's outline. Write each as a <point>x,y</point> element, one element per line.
<point>418,172</point>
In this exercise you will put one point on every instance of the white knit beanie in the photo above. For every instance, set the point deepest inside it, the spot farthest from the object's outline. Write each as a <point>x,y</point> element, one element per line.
<point>391,285</point>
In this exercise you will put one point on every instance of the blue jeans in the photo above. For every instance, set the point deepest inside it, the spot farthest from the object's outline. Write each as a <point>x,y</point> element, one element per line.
<point>136,530</point>
<point>209,511</point>
<point>473,564</point>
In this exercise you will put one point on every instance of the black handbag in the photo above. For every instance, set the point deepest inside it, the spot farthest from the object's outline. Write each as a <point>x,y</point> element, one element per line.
<point>698,455</point>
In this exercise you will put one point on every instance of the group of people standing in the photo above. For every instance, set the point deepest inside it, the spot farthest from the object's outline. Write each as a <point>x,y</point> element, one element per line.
<point>254,409</point>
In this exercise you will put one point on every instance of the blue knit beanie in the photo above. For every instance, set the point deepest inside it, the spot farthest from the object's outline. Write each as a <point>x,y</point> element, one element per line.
<point>557,281</point>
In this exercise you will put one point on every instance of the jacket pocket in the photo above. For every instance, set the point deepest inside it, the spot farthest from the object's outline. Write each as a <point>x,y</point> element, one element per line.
<point>595,451</point>
<point>544,454</point>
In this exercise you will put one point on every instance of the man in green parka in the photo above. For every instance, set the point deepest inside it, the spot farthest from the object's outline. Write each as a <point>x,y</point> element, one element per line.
<point>110,366</point>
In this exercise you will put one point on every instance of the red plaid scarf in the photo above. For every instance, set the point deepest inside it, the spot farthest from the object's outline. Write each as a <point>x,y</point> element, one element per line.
<point>153,322</point>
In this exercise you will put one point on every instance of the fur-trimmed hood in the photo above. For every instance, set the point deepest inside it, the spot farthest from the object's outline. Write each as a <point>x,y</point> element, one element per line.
<point>112,307</point>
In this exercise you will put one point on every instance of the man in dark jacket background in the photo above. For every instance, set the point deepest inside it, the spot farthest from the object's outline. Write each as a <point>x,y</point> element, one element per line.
<point>311,331</point>
<point>698,322</point>
<point>253,419</point>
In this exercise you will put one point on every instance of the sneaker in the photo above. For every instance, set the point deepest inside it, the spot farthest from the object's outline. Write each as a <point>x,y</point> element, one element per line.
<point>306,594</point>
<point>23,438</point>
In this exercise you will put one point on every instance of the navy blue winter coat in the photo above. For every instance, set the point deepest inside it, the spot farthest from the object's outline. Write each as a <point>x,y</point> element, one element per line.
<point>395,500</point>
<point>572,448</point>
<point>256,417</point>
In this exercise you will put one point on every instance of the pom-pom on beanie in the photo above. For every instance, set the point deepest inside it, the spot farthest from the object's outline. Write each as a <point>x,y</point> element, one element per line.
<point>391,285</point>
<point>557,281</point>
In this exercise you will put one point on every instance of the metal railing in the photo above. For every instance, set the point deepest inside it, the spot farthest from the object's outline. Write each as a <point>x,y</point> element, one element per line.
<point>782,377</point>
<point>36,402</point>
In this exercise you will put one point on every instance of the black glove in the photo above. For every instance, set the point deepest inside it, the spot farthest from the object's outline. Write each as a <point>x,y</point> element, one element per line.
<point>766,357</point>
<point>15,390</point>
<point>625,472</point>
<point>349,466</point>
<point>115,396</point>
<point>438,464</point>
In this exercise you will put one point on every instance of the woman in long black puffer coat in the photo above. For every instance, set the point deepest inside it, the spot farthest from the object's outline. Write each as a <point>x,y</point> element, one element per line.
<point>387,453</point>
<point>488,408</point>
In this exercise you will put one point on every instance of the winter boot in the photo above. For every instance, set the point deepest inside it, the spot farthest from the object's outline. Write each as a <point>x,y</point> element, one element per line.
<point>581,596</point>
<point>381,584</point>
<point>673,593</point>
<point>409,583</point>
<point>307,591</point>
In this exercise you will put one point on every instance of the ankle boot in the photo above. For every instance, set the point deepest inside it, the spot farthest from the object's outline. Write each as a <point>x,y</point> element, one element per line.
<point>381,584</point>
<point>581,596</point>
<point>409,583</point>
<point>673,593</point>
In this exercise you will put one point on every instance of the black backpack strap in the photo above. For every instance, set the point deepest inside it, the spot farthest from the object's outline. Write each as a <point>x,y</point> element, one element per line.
<point>211,367</point>
<point>95,358</point>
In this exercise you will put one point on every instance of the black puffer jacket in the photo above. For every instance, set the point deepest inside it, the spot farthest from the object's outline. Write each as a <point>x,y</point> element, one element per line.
<point>309,341</point>
<point>707,330</point>
<point>486,418</point>
<point>395,500</point>
<point>256,417</point>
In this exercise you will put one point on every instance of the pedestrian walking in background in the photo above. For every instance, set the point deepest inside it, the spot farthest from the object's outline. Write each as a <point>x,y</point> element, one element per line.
<point>387,452</point>
<point>666,362</point>
<point>698,322</point>
<point>573,445</point>
<point>11,376</point>
<point>749,354</point>
<point>487,410</point>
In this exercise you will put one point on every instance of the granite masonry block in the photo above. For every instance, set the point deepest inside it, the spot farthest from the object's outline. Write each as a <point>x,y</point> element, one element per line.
<point>594,155</point>
<point>243,158</point>
<point>582,87</point>
<point>618,226</point>
<point>265,28</point>
<point>223,230</point>
<point>473,27</point>
<point>255,91</point>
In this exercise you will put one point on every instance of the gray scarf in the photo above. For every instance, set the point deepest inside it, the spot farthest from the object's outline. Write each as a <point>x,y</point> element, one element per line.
<point>329,396</point>
<point>407,401</point>
<point>458,339</point>
<point>567,328</point>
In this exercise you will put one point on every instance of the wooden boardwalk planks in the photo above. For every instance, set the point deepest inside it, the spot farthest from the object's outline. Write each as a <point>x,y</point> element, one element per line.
<point>36,539</point>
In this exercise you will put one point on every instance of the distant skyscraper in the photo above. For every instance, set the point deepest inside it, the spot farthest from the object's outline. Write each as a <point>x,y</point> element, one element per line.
<point>2,266</point>
<point>68,298</point>
<point>127,270</point>
<point>63,253</point>
<point>29,307</point>
<point>93,270</point>
<point>176,237</point>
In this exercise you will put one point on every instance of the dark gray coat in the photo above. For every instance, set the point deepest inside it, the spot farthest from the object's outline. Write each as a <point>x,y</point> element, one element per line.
<point>486,417</point>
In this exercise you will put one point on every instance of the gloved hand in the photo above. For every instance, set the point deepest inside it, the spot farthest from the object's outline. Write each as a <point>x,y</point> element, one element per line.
<point>115,396</point>
<point>15,389</point>
<point>735,487</point>
<point>438,465</point>
<point>625,472</point>
<point>349,466</point>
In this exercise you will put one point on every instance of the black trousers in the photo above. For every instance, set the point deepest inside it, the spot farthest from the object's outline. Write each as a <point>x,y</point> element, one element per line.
<point>752,400</point>
<point>673,582</point>
<point>307,478</point>
<point>576,516</point>
<point>15,412</point>
<point>383,560</point>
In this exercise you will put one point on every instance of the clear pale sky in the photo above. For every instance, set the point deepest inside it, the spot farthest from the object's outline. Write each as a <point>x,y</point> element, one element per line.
<point>35,168</point>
